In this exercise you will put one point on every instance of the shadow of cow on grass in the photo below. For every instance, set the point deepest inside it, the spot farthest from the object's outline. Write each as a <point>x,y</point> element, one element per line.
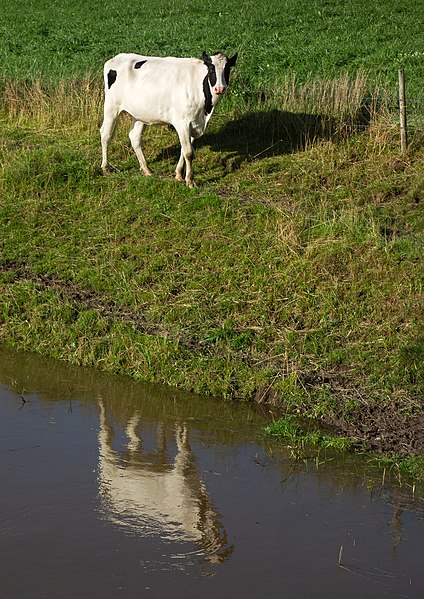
<point>277,132</point>
<point>261,134</point>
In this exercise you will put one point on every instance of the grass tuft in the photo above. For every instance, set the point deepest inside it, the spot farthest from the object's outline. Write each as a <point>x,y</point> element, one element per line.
<point>299,436</point>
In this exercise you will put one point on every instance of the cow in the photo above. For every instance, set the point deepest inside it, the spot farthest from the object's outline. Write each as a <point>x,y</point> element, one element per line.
<point>181,92</point>
<point>159,491</point>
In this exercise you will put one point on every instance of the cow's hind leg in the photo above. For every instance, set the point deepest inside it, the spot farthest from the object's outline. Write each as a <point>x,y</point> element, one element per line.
<point>106,133</point>
<point>136,136</point>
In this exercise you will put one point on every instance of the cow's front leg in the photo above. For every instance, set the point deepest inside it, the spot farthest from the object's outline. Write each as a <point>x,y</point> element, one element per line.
<point>136,137</point>
<point>187,155</point>
<point>180,167</point>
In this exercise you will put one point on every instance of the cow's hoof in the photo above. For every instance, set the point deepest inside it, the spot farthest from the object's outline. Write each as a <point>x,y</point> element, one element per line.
<point>106,170</point>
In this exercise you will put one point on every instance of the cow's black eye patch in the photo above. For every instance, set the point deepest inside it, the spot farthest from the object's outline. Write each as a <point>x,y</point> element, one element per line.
<point>139,64</point>
<point>212,74</point>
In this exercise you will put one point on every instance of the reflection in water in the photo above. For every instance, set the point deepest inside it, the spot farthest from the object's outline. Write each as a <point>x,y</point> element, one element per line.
<point>118,497</point>
<point>158,492</point>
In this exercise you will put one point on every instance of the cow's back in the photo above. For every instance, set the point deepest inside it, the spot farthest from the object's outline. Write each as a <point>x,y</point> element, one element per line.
<point>156,89</point>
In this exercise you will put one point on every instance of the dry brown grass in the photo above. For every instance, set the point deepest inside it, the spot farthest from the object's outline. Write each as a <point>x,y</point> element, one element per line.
<point>69,102</point>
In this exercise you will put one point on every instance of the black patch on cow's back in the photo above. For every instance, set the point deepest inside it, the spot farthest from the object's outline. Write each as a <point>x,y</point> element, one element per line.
<point>208,95</point>
<point>139,64</point>
<point>111,77</point>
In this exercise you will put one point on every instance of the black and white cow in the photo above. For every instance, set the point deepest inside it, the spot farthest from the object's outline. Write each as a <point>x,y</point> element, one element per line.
<point>182,92</point>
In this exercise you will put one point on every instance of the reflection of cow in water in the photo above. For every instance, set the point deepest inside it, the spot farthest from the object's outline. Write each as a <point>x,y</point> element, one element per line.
<point>154,494</point>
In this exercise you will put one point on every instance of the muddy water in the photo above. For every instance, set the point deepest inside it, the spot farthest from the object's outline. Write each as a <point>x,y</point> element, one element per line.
<point>115,489</point>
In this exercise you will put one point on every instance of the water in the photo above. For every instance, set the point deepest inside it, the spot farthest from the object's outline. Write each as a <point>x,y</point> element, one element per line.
<point>115,489</point>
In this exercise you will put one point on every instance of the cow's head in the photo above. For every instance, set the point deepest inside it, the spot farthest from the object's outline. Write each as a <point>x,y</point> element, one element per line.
<point>219,66</point>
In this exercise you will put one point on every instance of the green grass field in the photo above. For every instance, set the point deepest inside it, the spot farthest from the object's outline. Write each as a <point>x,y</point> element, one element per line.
<point>56,39</point>
<point>292,274</point>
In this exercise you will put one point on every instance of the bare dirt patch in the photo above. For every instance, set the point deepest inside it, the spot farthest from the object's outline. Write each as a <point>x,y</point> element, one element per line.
<point>388,428</point>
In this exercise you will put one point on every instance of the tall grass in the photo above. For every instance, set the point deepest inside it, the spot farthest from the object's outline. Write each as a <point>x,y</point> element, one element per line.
<point>320,107</point>
<point>74,103</point>
<point>344,97</point>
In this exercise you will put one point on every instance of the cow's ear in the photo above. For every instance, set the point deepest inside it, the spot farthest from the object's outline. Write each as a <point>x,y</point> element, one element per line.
<point>232,60</point>
<point>205,57</point>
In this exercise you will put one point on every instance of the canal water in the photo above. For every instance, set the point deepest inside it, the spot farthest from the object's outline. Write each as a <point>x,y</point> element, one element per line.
<point>115,489</point>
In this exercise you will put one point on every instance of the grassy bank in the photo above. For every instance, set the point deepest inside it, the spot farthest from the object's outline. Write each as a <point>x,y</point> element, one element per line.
<point>292,274</point>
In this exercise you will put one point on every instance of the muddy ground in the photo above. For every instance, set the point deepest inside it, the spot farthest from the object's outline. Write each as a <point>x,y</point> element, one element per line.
<point>387,428</point>
<point>386,432</point>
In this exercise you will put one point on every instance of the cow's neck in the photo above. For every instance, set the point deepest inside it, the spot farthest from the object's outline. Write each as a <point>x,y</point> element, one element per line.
<point>211,100</point>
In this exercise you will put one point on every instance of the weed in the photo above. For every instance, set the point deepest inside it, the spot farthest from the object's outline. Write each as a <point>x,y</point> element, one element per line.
<point>292,432</point>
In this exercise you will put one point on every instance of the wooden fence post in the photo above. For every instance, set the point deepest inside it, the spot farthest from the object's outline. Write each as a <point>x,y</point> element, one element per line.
<point>402,109</point>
